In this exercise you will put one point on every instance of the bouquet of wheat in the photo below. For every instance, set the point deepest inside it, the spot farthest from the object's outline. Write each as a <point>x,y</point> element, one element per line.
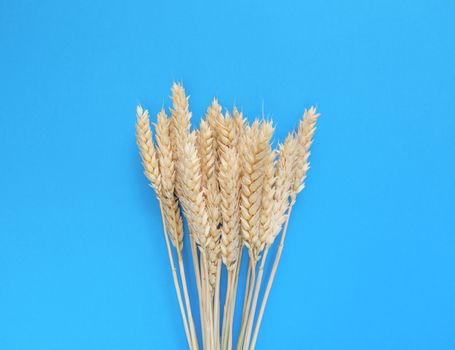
<point>235,191</point>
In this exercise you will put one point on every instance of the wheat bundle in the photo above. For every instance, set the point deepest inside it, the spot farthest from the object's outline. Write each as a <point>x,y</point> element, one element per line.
<point>236,194</point>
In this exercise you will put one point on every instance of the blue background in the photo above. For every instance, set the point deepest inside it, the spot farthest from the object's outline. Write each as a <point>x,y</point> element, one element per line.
<point>370,256</point>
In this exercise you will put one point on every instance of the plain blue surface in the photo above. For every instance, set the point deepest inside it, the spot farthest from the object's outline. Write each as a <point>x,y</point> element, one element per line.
<point>370,256</point>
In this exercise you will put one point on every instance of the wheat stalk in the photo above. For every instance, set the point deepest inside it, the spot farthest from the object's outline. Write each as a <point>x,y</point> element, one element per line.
<point>256,144</point>
<point>266,224</point>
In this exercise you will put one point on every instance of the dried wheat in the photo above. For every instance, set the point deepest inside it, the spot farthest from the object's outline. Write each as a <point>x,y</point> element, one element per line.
<point>234,189</point>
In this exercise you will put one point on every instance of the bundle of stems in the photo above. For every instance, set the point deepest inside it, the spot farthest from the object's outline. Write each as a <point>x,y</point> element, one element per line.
<point>236,194</point>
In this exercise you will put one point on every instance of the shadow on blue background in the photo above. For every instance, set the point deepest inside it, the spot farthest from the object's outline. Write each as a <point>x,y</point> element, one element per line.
<point>370,255</point>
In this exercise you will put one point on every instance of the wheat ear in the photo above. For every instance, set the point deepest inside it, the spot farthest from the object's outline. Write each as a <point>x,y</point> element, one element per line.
<point>180,127</point>
<point>229,177</point>
<point>192,198</point>
<point>147,149</point>
<point>307,127</point>
<point>256,144</point>
<point>284,175</point>
<point>169,202</point>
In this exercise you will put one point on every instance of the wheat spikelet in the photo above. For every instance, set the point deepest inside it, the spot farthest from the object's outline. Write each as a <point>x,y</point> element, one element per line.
<point>229,174</point>
<point>147,149</point>
<point>168,200</point>
<point>208,159</point>
<point>284,172</point>
<point>307,126</point>
<point>192,197</point>
<point>255,143</point>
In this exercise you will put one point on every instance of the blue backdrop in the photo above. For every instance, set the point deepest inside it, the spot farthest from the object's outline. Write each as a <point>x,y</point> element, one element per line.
<point>370,255</point>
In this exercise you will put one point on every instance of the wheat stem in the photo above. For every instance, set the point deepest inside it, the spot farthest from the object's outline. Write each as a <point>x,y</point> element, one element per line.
<point>217,307</point>
<point>187,302</point>
<point>271,278</point>
<point>225,311</point>
<point>207,301</point>
<point>245,295</point>
<point>248,284</point>
<point>176,282</point>
<point>197,276</point>
<point>234,291</point>
<point>255,299</point>
<point>240,342</point>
